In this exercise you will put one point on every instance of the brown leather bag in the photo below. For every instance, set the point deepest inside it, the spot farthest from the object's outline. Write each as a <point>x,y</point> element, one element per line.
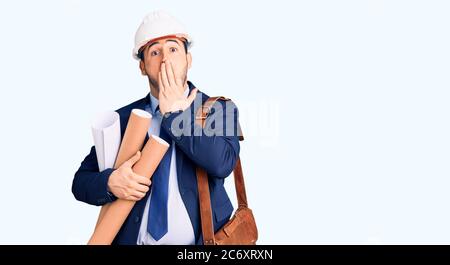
<point>241,228</point>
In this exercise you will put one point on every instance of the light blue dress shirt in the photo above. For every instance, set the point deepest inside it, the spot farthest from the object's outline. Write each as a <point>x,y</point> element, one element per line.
<point>180,229</point>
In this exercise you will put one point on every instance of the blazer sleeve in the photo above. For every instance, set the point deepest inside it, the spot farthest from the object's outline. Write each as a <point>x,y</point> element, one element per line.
<point>213,148</point>
<point>89,185</point>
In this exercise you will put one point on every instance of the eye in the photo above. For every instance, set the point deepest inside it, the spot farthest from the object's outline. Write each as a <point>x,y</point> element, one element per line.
<point>173,49</point>
<point>154,53</point>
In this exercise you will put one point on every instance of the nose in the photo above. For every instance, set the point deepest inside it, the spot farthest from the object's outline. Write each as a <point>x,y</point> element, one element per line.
<point>164,57</point>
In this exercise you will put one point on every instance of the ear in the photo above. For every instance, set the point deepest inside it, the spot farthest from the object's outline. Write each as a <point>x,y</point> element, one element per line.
<point>189,60</point>
<point>142,67</point>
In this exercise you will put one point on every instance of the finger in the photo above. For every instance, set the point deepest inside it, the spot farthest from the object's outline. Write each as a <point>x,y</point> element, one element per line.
<point>130,162</point>
<point>164,76</point>
<point>141,188</point>
<point>141,179</point>
<point>166,91</point>
<point>192,96</point>
<point>138,194</point>
<point>132,198</point>
<point>160,84</point>
<point>177,80</point>
<point>170,74</point>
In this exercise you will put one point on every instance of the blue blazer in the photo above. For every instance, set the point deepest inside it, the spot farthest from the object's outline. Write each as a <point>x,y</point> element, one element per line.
<point>216,154</point>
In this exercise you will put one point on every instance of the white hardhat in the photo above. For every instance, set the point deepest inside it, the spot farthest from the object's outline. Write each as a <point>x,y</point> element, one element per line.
<point>156,25</point>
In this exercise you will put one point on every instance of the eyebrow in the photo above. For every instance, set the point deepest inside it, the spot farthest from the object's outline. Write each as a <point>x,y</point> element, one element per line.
<point>157,42</point>
<point>173,41</point>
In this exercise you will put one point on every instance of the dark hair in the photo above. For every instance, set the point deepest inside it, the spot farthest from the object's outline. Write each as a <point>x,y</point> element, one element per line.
<point>185,45</point>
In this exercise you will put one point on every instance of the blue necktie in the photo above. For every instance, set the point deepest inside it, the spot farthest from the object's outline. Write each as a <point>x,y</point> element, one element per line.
<point>157,217</point>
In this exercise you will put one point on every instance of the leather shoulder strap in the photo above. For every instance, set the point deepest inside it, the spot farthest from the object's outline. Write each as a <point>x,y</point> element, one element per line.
<point>203,112</point>
<point>202,179</point>
<point>205,207</point>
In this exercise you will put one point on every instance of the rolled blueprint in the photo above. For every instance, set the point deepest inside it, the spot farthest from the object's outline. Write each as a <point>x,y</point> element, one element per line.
<point>118,211</point>
<point>106,133</point>
<point>133,140</point>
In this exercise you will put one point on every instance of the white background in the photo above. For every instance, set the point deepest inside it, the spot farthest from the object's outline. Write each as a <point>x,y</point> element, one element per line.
<point>345,107</point>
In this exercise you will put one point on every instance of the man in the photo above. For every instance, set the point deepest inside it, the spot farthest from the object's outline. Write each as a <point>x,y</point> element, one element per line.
<point>167,208</point>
